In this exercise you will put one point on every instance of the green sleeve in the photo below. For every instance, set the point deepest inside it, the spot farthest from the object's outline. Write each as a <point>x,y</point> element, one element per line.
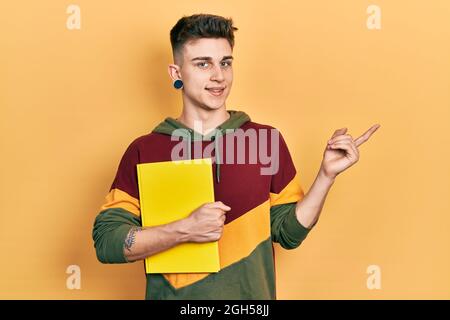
<point>111,227</point>
<point>285,228</point>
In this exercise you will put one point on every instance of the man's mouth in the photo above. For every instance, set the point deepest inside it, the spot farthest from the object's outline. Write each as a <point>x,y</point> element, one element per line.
<point>216,91</point>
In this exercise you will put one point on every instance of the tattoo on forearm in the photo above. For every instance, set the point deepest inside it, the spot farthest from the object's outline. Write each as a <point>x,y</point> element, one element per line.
<point>131,237</point>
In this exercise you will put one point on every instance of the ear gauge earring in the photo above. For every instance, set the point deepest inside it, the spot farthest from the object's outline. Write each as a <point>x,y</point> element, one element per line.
<point>178,84</point>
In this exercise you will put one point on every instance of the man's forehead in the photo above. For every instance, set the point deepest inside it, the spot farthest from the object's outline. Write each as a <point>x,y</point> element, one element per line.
<point>215,48</point>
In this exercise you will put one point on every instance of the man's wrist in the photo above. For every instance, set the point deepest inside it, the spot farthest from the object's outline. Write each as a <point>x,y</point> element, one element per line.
<point>180,229</point>
<point>324,178</point>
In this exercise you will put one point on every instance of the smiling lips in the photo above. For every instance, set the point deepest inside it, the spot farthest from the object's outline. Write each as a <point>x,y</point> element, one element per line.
<point>216,91</point>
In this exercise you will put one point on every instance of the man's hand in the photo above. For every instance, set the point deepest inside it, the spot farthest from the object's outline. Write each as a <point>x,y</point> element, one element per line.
<point>205,224</point>
<point>342,151</point>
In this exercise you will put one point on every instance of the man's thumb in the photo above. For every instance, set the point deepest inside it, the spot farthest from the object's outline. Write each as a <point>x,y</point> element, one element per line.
<point>221,205</point>
<point>339,132</point>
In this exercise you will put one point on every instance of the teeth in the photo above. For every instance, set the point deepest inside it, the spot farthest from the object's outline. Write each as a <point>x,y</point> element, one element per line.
<point>215,91</point>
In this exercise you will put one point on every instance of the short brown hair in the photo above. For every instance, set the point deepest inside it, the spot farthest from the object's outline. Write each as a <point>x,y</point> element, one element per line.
<point>200,26</point>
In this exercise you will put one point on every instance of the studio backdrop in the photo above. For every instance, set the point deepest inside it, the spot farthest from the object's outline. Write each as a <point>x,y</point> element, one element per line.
<point>79,80</point>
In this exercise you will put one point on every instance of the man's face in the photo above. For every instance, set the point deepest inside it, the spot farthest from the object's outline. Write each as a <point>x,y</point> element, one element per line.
<point>207,72</point>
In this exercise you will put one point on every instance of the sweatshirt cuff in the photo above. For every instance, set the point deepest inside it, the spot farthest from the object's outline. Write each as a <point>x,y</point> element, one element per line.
<point>116,254</point>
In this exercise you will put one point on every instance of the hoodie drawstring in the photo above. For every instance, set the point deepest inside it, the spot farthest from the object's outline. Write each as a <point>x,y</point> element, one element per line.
<point>188,136</point>
<point>216,149</point>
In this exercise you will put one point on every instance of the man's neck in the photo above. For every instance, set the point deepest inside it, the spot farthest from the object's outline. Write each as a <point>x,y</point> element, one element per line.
<point>209,119</point>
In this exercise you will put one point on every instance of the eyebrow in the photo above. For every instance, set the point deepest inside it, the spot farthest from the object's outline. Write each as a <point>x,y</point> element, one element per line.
<point>209,58</point>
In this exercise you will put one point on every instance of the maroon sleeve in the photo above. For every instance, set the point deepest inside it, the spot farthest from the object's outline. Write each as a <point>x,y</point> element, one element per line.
<point>126,176</point>
<point>124,190</point>
<point>285,186</point>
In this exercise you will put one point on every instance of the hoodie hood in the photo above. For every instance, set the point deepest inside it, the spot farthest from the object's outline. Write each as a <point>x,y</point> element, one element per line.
<point>236,120</point>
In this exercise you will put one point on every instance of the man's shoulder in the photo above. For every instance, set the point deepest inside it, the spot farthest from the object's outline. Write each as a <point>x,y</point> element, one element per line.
<point>146,139</point>
<point>257,125</point>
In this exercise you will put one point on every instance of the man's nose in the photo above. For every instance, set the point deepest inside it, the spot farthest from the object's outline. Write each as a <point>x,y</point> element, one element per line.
<point>217,74</point>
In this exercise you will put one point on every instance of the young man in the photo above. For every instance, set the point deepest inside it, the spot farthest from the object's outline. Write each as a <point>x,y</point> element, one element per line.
<point>253,209</point>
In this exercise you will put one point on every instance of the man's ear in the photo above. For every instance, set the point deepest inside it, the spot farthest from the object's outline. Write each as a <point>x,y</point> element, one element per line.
<point>174,72</point>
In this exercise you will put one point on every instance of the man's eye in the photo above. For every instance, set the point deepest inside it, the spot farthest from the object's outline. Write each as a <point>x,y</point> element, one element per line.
<point>205,64</point>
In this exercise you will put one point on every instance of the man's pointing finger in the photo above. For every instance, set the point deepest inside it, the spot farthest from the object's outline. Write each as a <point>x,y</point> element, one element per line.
<point>363,138</point>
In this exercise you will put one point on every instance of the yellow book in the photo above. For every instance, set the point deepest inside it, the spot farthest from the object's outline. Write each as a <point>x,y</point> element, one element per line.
<point>170,191</point>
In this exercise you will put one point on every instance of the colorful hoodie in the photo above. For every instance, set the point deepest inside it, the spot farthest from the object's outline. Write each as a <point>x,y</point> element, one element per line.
<point>262,212</point>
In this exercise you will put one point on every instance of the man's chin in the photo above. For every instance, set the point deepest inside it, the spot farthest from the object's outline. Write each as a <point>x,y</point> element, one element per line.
<point>214,106</point>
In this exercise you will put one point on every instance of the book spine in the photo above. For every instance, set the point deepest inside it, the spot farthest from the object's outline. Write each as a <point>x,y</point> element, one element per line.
<point>141,202</point>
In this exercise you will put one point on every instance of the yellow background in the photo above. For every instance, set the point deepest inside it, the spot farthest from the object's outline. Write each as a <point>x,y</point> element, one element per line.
<point>72,101</point>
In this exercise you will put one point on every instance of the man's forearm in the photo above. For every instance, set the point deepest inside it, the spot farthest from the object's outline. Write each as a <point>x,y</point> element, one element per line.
<point>309,208</point>
<point>141,243</point>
